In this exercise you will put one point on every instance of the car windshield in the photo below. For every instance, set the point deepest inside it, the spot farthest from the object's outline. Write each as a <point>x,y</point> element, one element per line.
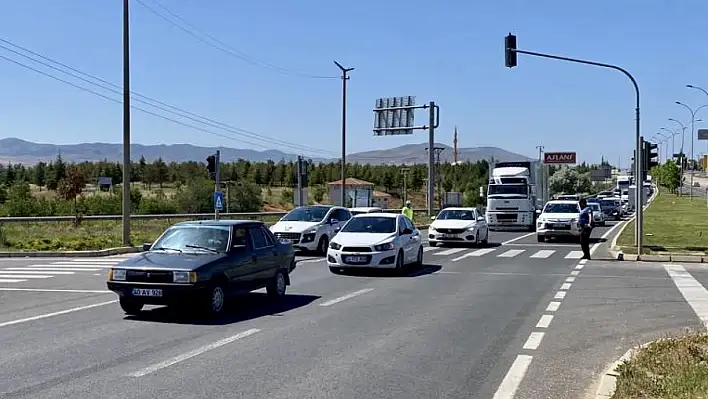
<point>371,224</point>
<point>456,215</point>
<point>194,238</point>
<point>561,208</point>
<point>508,189</point>
<point>306,214</point>
<point>608,204</point>
<point>594,206</point>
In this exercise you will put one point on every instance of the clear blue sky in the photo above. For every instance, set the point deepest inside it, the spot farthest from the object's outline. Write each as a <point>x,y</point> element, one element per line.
<point>450,51</point>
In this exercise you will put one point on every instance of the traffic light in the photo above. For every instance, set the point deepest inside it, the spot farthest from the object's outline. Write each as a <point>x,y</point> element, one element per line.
<point>211,165</point>
<point>652,155</point>
<point>510,50</point>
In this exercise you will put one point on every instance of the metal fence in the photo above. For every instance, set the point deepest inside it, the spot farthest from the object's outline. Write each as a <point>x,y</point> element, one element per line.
<point>195,216</point>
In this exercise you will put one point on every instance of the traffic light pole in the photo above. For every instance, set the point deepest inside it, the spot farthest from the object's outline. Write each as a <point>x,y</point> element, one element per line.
<point>217,178</point>
<point>510,57</point>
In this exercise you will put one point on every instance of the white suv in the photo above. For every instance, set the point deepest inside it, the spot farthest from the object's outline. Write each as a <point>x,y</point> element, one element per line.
<point>311,228</point>
<point>559,218</point>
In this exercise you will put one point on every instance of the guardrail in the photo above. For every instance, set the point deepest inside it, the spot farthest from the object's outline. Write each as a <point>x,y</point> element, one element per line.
<point>244,215</point>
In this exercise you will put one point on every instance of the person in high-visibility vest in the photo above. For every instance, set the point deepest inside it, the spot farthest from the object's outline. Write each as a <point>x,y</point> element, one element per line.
<point>408,210</point>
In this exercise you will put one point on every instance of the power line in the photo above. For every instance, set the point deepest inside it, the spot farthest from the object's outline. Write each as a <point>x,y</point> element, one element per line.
<point>161,105</point>
<point>212,41</point>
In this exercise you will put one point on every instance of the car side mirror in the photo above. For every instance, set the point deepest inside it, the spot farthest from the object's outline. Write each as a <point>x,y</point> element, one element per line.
<point>146,246</point>
<point>336,229</point>
<point>480,219</point>
<point>406,231</point>
<point>433,217</point>
<point>333,221</point>
<point>538,211</point>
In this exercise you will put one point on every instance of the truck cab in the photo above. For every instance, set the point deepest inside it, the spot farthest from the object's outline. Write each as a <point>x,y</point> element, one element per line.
<point>511,199</point>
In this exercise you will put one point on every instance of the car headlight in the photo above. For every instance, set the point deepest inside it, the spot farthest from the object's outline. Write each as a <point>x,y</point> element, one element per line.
<point>117,275</point>
<point>334,245</point>
<point>310,231</point>
<point>385,246</point>
<point>184,277</point>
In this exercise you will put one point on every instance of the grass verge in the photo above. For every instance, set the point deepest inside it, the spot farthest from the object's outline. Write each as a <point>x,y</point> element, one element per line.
<point>672,225</point>
<point>90,234</point>
<point>675,367</point>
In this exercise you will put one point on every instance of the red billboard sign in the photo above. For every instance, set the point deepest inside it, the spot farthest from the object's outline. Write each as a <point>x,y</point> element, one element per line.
<point>559,157</point>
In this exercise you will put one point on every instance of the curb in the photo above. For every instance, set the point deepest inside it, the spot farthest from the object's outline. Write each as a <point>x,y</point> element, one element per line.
<point>608,381</point>
<point>73,254</point>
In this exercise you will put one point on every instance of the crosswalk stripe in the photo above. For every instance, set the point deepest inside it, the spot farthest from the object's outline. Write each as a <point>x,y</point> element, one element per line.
<point>82,266</point>
<point>53,269</point>
<point>26,276</point>
<point>30,272</point>
<point>574,255</point>
<point>450,251</point>
<point>478,252</point>
<point>11,280</point>
<point>427,249</point>
<point>510,253</point>
<point>544,253</point>
<point>91,261</point>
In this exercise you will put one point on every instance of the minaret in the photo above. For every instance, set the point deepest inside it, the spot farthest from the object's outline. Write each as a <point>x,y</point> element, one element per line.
<point>454,145</point>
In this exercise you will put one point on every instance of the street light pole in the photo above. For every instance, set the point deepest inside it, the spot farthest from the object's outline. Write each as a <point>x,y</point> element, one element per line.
<point>673,137</point>
<point>345,77</point>
<point>126,123</point>
<point>542,169</point>
<point>693,133</point>
<point>704,92</point>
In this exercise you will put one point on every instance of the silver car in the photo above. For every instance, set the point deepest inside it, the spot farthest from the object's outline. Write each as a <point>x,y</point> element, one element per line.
<point>598,218</point>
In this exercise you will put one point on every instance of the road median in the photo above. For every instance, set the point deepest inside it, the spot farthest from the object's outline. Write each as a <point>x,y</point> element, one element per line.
<point>675,230</point>
<point>673,367</point>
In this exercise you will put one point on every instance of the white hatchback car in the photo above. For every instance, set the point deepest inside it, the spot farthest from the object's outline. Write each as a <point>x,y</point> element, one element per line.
<point>458,225</point>
<point>376,240</point>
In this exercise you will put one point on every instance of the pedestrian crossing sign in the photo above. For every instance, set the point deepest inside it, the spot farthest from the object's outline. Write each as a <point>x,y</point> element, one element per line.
<point>218,201</point>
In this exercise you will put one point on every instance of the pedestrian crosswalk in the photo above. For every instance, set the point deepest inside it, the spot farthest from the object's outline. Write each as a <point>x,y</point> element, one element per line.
<point>501,252</point>
<point>43,269</point>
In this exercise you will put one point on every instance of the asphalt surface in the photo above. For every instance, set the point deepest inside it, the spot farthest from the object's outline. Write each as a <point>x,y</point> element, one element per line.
<point>459,327</point>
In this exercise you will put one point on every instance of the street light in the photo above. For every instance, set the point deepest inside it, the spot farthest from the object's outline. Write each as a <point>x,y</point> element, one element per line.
<point>665,144</point>
<point>704,92</point>
<point>673,134</point>
<point>693,132</point>
<point>345,77</point>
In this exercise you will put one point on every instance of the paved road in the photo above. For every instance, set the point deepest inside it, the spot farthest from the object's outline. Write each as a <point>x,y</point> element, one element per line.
<point>457,328</point>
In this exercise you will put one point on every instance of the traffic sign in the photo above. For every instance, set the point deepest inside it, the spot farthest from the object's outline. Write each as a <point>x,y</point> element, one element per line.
<point>702,134</point>
<point>218,201</point>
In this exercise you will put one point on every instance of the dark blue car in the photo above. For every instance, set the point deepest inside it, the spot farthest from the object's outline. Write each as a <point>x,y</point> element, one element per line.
<point>204,263</point>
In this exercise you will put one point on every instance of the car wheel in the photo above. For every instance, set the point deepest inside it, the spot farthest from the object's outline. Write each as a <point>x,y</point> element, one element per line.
<point>277,287</point>
<point>400,262</point>
<point>216,300</point>
<point>130,307</point>
<point>540,238</point>
<point>419,259</point>
<point>486,238</point>
<point>322,245</point>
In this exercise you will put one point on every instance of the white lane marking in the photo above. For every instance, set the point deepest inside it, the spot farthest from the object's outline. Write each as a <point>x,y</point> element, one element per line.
<point>30,272</point>
<point>427,249</point>
<point>311,261</point>
<point>444,272</point>
<point>61,312</point>
<point>478,252</point>
<point>534,340</point>
<point>96,261</point>
<point>693,291</point>
<point>574,255</point>
<point>583,261</point>
<point>579,267</point>
<point>559,295</point>
<point>518,238</point>
<point>544,321</point>
<point>25,276</point>
<point>553,306</point>
<point>510,384</point>
<point>510,253</point>
<point>570,279</point>
<point>575,272</point>
<point>607,234</point>
<point>544,253</point>
<point>345,297</point>
<point>48,269</point>
<point>57,290</point>
<point>80,265</point>
<point>10,280</point>
<point>196,352</point>
<point>450,251</point>
<point>566,286</point>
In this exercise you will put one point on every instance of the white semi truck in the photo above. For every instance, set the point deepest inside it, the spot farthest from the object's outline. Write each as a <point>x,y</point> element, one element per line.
<point>511,196</point>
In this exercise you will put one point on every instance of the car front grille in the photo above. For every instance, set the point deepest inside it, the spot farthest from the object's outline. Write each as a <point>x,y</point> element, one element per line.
<point>148,276</point>
<point>356,249</point>
<point>451,231</point>
<point>294,237</point>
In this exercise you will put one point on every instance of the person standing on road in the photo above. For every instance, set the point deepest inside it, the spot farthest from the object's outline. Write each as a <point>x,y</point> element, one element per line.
<point>408,210</point>
<point>585,222</point>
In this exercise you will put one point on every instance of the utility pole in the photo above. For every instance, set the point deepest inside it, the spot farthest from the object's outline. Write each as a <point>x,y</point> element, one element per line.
<point>217,179</point>
<point>542,174</point>
<point>299,170</point>
<point>345,77</point>
<point>126,123</point>
<point>404,172</point>
<point>455,154</point>
<point>437,180</point>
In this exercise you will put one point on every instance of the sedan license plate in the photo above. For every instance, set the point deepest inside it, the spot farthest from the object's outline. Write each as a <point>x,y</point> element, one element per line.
<point>356,259</point>
<point>449,236</point>
<point>147,292</point>
<point>561,226</point>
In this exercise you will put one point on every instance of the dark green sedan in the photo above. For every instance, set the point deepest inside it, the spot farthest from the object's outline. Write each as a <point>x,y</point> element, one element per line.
<point>204,263</point>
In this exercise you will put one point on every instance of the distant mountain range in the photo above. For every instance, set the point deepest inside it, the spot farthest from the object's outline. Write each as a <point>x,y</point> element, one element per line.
<point>20,151</point>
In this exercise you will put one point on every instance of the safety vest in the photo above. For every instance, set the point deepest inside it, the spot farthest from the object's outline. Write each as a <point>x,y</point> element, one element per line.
<point>408,212</point>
